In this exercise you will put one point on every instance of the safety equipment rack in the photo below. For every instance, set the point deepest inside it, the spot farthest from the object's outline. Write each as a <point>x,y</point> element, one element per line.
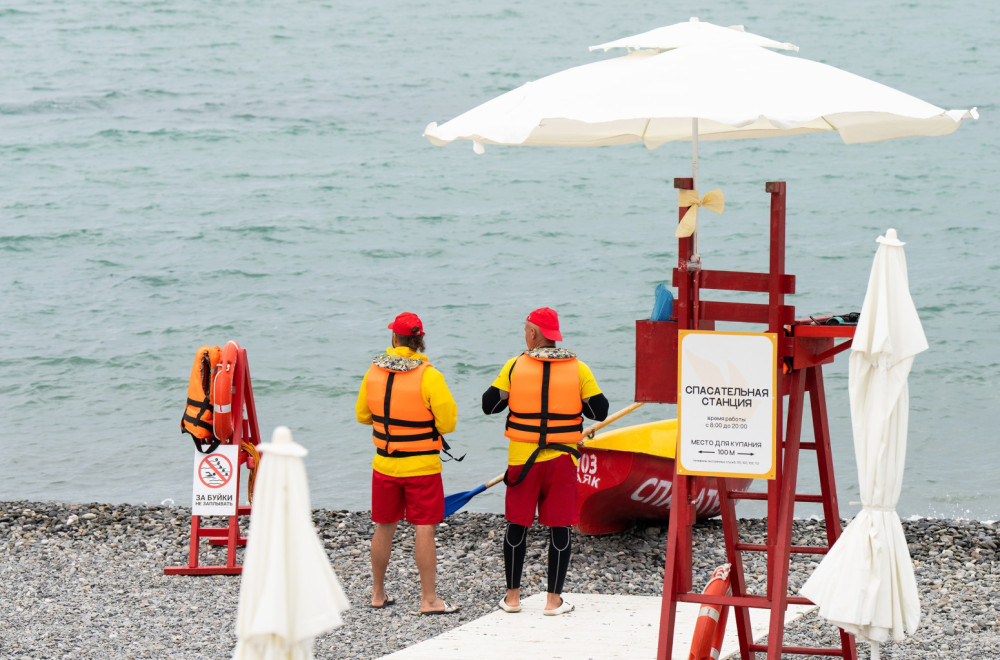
<point>802,350</point>
<point>245,431</point>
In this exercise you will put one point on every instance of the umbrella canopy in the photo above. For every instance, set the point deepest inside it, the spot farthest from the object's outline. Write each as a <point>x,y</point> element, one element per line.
<point>691,33</point>
<point>703,91</point>
<point>289,593</point>
<point>866,584</point>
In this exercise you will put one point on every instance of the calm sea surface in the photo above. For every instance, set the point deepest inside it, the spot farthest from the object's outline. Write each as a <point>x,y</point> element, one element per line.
<point>178,173</point>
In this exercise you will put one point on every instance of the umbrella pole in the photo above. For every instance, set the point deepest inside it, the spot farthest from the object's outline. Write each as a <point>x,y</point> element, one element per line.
<point>695,255</point>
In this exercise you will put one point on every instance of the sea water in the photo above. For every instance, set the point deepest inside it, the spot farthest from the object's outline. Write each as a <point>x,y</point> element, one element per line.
<point>176,173</point>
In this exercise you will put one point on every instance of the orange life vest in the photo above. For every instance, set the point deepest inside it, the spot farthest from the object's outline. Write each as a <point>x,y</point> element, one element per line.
<point>197,419</point>
<point>545,405</point>
<point>401,423</point>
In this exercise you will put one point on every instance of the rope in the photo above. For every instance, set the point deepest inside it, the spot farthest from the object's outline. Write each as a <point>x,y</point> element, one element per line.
<point>252,452</point>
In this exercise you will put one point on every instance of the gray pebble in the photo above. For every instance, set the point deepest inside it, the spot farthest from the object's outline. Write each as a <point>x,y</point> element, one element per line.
<point>86,581</point>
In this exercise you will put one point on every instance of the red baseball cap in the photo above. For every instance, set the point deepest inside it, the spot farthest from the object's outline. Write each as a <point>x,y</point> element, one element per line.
<point>547,321</point>
<point>407,324</point>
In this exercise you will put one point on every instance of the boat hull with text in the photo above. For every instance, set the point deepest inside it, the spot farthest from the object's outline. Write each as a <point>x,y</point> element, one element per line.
<point>626,475</point>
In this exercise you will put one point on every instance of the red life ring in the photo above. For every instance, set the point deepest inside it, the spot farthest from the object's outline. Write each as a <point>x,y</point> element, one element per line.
<point>222,392</point>
<point>710,629</point>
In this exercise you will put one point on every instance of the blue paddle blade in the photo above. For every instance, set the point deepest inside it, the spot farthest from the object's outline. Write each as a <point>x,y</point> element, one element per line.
<point>453,503</point>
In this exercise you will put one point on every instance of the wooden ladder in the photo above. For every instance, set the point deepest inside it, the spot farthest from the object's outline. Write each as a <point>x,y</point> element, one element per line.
<point>802,350</point>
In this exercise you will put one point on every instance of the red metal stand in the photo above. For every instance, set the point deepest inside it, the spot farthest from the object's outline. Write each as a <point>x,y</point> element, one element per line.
<point>246,431</point>
<point>802,350</point>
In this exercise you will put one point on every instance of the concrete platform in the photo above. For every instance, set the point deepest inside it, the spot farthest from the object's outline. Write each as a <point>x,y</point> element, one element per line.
<point>600,628</point>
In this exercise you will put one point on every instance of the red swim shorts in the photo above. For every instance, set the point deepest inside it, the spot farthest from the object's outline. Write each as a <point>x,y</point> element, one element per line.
<point>419,499</point>
<point>551,485</point>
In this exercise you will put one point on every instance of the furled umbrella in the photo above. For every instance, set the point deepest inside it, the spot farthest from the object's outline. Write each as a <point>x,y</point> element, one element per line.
<point>289,593</point>
<point>865,584</point>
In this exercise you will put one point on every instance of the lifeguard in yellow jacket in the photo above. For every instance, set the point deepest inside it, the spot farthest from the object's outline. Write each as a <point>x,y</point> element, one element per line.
<point>408,404</point>
<point>547,392</point>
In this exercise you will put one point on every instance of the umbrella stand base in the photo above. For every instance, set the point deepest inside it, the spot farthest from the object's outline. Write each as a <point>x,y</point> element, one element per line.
<point>798,372</point>
<point>229,535</point>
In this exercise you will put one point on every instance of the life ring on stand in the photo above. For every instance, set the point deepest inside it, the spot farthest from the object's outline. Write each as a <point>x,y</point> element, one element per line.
<point>222,392</point>
<point>706,644</point>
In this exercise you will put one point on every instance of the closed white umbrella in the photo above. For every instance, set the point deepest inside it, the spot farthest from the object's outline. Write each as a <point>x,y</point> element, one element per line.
<point>289,593</point>
<point>865,584</point>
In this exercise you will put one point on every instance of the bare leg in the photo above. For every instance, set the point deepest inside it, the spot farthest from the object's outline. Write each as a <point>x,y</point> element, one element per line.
<point>425,551</point>
<point>381,549</point>
<point>552,601</point>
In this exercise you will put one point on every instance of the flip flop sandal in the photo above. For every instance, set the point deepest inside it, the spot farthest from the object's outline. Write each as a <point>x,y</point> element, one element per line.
<point>386,603</point>
<point>448,609</point>
<point>563,608</point>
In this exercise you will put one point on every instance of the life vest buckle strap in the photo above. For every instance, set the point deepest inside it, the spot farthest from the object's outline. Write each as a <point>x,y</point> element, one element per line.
<point>528,464</point>
<point>560,446</point>
<point>401,422</point>
<point>213,445</point>
<point>445,449</point>
<point>524,470</point>
<point>532,428</point>
<point>400,453</point>
<point>546,415</point>
<point>399,439</point>
<point>196,421</point>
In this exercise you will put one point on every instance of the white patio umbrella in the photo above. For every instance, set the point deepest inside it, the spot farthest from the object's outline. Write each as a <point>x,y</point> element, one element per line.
<point>289,593</point>
<point>733,91</point>
<point>865,584</point>
<point>689,83</point>
<point>691,33</point>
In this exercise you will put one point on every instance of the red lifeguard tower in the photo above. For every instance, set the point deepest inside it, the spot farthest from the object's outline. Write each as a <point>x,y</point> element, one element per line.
<point>802,351</point>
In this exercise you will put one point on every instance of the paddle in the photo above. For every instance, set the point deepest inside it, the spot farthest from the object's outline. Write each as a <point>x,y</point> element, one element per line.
<point>453,503</point>
<point>588,433</point>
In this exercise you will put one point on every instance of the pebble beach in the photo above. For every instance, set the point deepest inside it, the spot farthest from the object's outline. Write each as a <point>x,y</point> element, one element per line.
<point>86,581</point>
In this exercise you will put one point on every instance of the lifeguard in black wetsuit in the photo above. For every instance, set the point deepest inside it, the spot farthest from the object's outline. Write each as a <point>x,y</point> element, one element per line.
<point>547,392</point>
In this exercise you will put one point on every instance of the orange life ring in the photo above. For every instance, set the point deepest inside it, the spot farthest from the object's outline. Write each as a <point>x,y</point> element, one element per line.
<point>706,643</point>
<point>222,392</point>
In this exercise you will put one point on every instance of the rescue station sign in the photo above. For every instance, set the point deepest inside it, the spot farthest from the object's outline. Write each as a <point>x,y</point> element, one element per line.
<point>727,404</point>
<point>215,478</point>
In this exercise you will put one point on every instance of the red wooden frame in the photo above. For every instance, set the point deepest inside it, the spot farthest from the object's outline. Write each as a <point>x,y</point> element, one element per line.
<point>802,350</point>
<point>247,430</point>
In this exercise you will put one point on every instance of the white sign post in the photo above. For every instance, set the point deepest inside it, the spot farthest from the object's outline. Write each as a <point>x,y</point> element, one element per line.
<point>216,476</point>
<point>727,404</point>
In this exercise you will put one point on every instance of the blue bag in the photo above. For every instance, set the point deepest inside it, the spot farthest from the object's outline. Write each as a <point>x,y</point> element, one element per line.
<point>663,307</point>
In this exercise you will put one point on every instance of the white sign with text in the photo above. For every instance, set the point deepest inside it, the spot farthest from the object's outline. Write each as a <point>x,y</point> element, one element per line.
<point>216,476</point>
<point>727,404</point>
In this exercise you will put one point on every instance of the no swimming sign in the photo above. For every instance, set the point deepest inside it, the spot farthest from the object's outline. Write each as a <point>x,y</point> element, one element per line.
<point>215,478</point>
